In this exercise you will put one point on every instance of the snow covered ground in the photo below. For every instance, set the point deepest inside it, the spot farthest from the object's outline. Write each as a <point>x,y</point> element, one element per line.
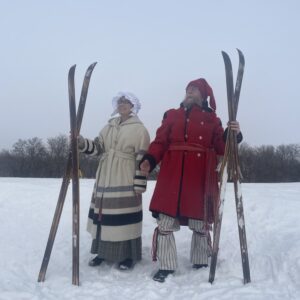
<point>273,233</point>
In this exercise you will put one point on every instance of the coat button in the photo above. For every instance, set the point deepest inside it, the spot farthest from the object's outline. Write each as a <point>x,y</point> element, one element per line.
<point>198,154</point>
<point>202,123</point>
<point>200,137</point>
<point>187,120</point>
<point>186,136</point>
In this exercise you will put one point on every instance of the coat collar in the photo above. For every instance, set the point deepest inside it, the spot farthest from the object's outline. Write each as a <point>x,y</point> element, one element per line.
<point>132,120</point>
<point>205,107</point>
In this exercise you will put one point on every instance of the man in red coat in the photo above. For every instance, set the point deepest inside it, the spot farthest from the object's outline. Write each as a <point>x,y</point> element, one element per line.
<point>186,146</point>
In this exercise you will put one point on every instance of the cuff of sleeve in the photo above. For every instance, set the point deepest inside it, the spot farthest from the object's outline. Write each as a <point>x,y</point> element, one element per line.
<point>239,136</point>
<point>84,147</point>
<point>140,183</point>
<point>89,147</point>
<point>225,135</point>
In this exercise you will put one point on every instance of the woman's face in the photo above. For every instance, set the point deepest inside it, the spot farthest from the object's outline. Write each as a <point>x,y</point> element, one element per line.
<point>124,106</point>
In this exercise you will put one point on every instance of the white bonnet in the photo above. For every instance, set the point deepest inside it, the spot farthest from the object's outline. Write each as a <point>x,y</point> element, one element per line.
<point>129,96</point>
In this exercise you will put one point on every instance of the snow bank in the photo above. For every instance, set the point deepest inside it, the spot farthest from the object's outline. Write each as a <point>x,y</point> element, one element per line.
<point>26,211</point>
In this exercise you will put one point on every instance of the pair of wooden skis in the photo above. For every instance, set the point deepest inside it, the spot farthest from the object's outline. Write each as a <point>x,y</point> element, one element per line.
<point>71,172</point>
<point>230,166</point>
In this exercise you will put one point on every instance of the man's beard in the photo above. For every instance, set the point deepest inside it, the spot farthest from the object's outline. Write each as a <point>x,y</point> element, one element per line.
<point>189,101</point>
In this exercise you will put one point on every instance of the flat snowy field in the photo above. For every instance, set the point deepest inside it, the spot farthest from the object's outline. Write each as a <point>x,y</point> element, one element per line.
<point>273,233</point>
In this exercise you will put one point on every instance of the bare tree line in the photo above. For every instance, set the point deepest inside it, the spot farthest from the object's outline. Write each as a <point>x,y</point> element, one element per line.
<point>269,163</point>
<point>34,158</point>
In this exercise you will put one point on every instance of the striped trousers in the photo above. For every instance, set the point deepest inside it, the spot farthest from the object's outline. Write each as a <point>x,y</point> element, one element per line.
<point>166,247</point>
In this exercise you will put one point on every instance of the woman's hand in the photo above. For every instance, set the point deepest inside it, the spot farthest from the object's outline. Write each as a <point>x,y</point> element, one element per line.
<point>81,142</point>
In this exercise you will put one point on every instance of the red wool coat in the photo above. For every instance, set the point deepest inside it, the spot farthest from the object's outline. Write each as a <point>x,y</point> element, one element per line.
<point>187,145</point>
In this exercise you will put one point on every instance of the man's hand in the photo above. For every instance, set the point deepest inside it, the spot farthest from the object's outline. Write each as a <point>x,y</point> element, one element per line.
<point>235,126</point>
<point>145,167</point>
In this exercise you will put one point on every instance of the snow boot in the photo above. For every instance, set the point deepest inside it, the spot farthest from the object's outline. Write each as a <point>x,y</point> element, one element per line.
<point>161,275</point>
<point>199,266</point>
<point>126,264</point>
<point>96,261</point>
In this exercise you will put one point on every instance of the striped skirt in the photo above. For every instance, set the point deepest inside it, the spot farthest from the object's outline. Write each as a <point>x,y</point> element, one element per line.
<point>117,251</point>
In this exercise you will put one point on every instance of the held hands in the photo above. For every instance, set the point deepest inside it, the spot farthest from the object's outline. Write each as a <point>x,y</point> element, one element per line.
<point>140,183</point>
<point>145,167</point>
<point>235,126</point>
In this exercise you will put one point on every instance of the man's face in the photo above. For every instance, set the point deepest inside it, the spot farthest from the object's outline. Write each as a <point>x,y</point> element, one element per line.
<point>193,95</point>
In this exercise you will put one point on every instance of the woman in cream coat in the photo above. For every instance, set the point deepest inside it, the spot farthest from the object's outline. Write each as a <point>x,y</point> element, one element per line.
<point>115,215</point>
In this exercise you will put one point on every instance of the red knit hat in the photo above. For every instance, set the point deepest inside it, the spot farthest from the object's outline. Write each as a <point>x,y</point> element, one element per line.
<point>205,90</point>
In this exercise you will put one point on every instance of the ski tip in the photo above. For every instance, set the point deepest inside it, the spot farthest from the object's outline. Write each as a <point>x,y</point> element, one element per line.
<point>239,51</point>
<point>226,59</point>
<point>72,72</point>
<point>90,69</point>
<point>93,65</point>
<point>224,53</point>
<point>241,55</point>
<point>72,69</point>
<point>225,56</point>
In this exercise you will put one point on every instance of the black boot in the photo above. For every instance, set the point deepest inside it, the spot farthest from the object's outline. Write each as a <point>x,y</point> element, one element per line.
<point>161,275</point>
<point>96,261</point>
<point>199,266</point>
<point>126,264</point>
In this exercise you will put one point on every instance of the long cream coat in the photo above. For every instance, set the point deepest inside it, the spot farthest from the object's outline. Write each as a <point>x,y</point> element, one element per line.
<point>115,205</point>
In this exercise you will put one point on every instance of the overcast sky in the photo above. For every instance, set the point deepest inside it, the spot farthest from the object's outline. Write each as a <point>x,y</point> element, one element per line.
<point>153,49</point>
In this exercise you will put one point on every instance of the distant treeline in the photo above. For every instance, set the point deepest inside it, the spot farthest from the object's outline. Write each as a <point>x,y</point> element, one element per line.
<point>269,163</point>
<point>34,158</point>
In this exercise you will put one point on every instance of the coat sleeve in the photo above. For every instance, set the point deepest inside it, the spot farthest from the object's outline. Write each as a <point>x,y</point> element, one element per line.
<point>161,142</point>
<point>239,136</point>
<point>218,139</point>
<point>93,147</point>
<point>143,139</point>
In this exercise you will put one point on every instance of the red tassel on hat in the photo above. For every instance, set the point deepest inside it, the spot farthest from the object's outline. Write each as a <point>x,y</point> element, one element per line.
<point>205,90</point>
